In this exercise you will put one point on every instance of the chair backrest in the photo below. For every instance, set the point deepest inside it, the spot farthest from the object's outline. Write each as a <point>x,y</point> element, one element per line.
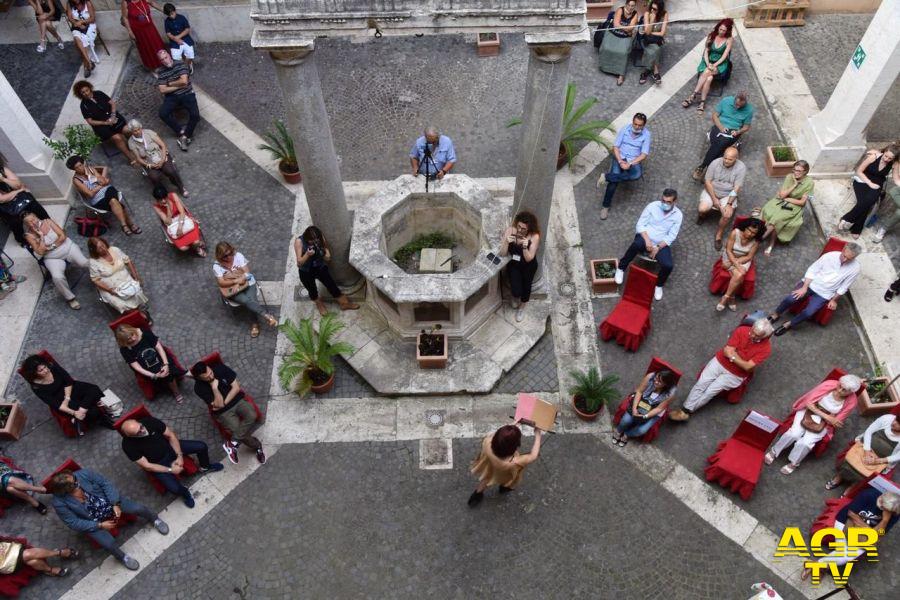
<point>639,286</point>
<point>43,354</point>
<point>833,245</point>
<point>757,430</point>
<point>214,358</point>
<point>658,364</point>
<point>135,318</point>
<point>70,465</point>
<point>135,413</point>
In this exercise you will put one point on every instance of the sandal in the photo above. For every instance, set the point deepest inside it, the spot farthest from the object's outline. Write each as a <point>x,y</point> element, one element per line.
<point>701,107</point>
<point>768,251</point>
<point>721,305</point>
<point>657,79</point>
<point>127,230</point>
<point>72,553</point>
<point>58,572</point>
<point>732,306</point>
<point>620,80</point>
<point>788,469</point>
<point>41,508</point>
<point>179,399</point>
<point>622,441</point>
<point>830,485</point>
<point>272,322</point>
<point>136,230</point>
<point>201,252</point>
<point>254,330</point>
<point>689,100</point>
<point>643,78</point>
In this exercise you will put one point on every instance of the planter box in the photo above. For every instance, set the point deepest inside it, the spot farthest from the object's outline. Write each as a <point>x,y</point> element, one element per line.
<point>869,409</point>
<point>597,11</point>
<point>488,44</point>
<point>606,285</point>
<point>15,423</point>
<point>775,168</point>
<point>432,362</point>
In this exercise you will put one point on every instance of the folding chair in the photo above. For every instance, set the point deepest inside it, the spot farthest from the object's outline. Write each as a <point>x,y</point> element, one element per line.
<point>656,364</point>
<point>216,359</point>
<point>629,321</point>
<point>737,461</point>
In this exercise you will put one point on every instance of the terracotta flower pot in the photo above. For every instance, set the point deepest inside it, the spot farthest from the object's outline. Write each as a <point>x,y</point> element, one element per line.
<point>15,422</point>
<point>867,408</point>
<point>584,415</point>
<point>562,157</point>
<point>325,387</point>
<point>488,44</point>
<point>596,11</point>
<point>438,361</point>
<point>603,285</point>
<point>290,176</point>
<point>775,168</point>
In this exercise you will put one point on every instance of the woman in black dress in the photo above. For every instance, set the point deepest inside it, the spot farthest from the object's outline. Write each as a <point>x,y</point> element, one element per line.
<point>521,241</point>
<point>15,201</point>
<point>58,390</point>
<point>868,184</point>
<point>99,110</point>
<point>144,353</point>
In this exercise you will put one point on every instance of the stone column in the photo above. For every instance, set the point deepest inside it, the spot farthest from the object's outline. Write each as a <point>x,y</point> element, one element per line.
<point>307,122</point>
<point>835,138</point>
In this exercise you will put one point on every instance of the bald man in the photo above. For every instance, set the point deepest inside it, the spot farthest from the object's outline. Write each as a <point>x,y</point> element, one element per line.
<point>721,185</point>
<point>442,153</point>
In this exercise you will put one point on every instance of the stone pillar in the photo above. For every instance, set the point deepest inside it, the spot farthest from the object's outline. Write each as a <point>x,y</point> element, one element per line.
<point>834,139</point>
<point>307,122</point>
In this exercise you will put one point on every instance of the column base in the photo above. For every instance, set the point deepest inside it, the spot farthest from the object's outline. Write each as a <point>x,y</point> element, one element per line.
<point>828,160</point>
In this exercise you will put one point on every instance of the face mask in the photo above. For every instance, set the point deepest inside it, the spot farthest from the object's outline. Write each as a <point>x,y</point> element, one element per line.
<point>667,207</point>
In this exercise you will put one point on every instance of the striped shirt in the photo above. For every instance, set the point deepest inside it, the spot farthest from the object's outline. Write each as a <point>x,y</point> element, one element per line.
<point>169,75</point>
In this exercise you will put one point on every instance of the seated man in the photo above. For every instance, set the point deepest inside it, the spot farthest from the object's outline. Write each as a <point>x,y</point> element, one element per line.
<point>93,183</point>
<point>174,83</point>
<point>217,385</point>
<point>656,231</point>
<point>722,184</point>
<point>824,282</point>
<point>156,449</point>
<point>631,147</point>
<point>747,348</point>
<point>89,503</point>
<point>731,120</point>
<point>441,154</point>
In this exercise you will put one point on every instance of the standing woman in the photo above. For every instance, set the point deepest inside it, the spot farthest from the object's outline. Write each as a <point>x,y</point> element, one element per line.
<point>45,13</point>
<point>652,36</point>
<point>715,64</point>
<point>500,462</point>
<point>868,183</point>
<point>313,253</point>
<point>49,242</point>
<point>521,241</point>
<point>137,20</point>
<point>617,42</point>
<point>16,201</point>
<point>115,276</point>
<point>80,15</point>
<point>783,214</point>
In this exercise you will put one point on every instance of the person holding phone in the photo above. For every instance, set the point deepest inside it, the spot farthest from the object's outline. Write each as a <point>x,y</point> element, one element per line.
<point>313,254</point>
<point>520,241</point>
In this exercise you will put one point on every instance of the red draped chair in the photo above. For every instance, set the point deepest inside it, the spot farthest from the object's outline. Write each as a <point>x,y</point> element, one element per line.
<point>7,501</point>
<point>720,277</point>
<point>190,467</point>
<point>136,318</point>
<point>834,505</point>
<point>11,585</point>
<point>824,314</point>
<point>737,461</point>
<point>629,321</point>
<point>191,237</point>
<point>216,359</point>
<point>63,420</point>
<point>73,466</point>
<point>734,395</point>
<point>656,364</point>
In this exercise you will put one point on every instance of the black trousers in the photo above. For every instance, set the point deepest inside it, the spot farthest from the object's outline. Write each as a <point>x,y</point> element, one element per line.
<point>309,276</point>
<point>866,198</point>
<point>718,143</point>
<point>521,275</point>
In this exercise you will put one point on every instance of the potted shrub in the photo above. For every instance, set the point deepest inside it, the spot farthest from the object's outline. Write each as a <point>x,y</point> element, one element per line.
<point>879,396</point>
<point>309,367</point>
<point>12,420</point>
<point>431,349</point>
<point>280,145</point>
<point>780,160</point>
<point>574,129</point>
<point>80,140</point>
<point>590,392</point>
<point>488,43</point>
<point>603,272</point>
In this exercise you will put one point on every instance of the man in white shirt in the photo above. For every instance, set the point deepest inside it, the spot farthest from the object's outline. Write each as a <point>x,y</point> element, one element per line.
<point>825,280</point>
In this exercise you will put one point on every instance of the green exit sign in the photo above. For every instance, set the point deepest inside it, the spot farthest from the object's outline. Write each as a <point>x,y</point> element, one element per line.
<point>859,56</point>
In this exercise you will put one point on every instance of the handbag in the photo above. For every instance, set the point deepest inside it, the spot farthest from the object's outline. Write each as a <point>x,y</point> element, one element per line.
<point>184,222</point>
<point>91,226</point>
<point>810,424</point>
<point>9,557</point>
<point>17,206</point>
<point>234,290</point>
<point>602,27</point>
<point>129,289</point>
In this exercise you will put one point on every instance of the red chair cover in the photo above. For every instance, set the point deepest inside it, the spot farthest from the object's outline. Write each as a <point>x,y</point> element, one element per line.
<point>6,501</point>
<point>737,461</point>
<point>214,359</point>
<point>720,277</point>
<point>629,321</point>
<point>190,467</point>
<point>11,585</point>
<point>834,505</point>
<point>656,364</point>
<point>734,395</point>
<point>64,421</point>
<point>824,314</point>
<point>136,318</point>
<point>191,237</point>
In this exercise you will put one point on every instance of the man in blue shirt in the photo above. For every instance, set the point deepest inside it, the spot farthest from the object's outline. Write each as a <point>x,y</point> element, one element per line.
<point>443,155</point>
<point>731,120</point>
<point>656,230</point>
<point>630,149</point>
<point>178,32</point>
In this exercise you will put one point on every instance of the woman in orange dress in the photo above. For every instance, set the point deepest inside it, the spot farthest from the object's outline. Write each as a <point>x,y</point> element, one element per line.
<point>500,462</point>
<point>137,20</point>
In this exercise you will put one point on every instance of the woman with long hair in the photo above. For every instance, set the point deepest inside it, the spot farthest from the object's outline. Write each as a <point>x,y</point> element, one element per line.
<point>49,242</point>
<point>520,242</point>
<point>715,64</point>
<point>654,26</point>
<point>618,41</point>
<point>16,201</point>
<point>237,284</point>
<point>313,254</point>
<point>138,21</point>
<point>868,184</point>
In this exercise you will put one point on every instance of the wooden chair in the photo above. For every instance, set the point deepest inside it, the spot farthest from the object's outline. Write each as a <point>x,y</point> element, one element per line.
<point>824,314</point>
<point>148,386</point>
<point>737,461</point>
<point>629,321</point>
<point>656,364</point>
<point>216,359</point>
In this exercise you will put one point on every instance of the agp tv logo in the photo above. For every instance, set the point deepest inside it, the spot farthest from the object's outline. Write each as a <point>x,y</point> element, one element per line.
<point>836,559</point>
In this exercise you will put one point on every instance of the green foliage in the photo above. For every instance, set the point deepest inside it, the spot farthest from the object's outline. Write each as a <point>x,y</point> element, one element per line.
<point>4,414</point>
<point>312,354</point>
<point>280,145</point>
<point>574,129</point>
<point>604,270</point>
<point>593,389</point>
<point>783,154</point>
<point>435,239</point>
<point>80,140</point>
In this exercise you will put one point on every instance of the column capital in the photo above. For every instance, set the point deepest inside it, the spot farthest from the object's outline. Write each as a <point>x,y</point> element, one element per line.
<point>289,56</point>
<point>551,53</point>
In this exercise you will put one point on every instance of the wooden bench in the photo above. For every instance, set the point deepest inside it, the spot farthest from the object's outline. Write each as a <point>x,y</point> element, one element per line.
<point>777,13</point>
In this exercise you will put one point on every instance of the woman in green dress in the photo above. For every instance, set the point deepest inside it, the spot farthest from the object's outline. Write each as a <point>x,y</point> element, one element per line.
<point>617,41</point>
<point>655,23</point>
<point>783,214</point>
<point>715,64</point>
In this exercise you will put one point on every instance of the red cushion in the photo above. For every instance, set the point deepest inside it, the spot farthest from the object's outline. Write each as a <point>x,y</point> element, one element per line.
<point>215,358</point>
<point>10,585</point>
<point>720,277</point>
<point>656,364</point>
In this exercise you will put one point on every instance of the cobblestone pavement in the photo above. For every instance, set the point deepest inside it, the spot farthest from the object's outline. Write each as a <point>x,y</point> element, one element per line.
<point>366,522</point>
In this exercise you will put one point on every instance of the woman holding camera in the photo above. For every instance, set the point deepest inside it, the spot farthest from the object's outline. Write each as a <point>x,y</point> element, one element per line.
<point>520,242</point>
<point>313,253</point>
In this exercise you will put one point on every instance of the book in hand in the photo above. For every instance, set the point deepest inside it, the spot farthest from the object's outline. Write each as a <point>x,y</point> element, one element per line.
<point>533,411</point>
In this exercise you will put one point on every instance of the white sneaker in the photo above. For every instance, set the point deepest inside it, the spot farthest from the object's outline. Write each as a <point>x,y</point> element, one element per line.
<point>619,276</point>
<point>879,235</point>
<point>601,180</point>
<point>657,293</point>
<point>41,48</point>
<point>520,315</point>
<point>770,458</point>
<point>515,303</point>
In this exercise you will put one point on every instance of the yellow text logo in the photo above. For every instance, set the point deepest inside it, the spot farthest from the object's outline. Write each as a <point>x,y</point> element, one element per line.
<point>836,560</point>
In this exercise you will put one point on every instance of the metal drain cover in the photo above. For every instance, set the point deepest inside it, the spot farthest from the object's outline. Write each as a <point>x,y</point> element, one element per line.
<point>434,418</point>
<point>567,289</point>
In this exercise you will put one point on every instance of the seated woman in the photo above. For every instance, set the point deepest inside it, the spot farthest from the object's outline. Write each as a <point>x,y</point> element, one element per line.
<point>313,253</point>
<point>654,25</point>
<point>890,220</point>
<point>56,388</point>
<point>115,276</point>
<point>16,201</point>
<point>182,230</point>
<point>82,21</point>
<point>93,183</point>
<point>881,447</point>
<point>826,405</point>
<point>617,42</point>
<point>783,214</point>
<point>13,554</point>
<point>99,111</point>
<point>648,402</point>
<point>715,64</point>
<point>46,14</point>
<point>146,355</point>
<point>868,185</point>
<point>153,155</point>
<point>737,257</point>
<point>237,284</point>
<point>16,484</point>
<point>49,242</point>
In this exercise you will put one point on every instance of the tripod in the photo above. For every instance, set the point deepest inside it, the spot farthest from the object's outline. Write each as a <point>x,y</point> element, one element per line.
<point>428,161</point>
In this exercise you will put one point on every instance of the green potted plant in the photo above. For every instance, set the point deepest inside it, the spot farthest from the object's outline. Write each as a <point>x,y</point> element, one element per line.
<point>590,392</point>
<point>309,367</point>
<point>80,140</point>
<point>431,348</point>
<point>12,420</point>
<point>878,397</point>
<point>574,129</point>
<point>603,273</point>
<point>780,160</point>
<point>280,145</point>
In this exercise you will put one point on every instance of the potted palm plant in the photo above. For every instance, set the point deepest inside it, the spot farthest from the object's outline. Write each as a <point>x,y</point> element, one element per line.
<point>309,367</point>
<point>12,420</point>
<point>590,392</point>
<point>280,145</point>
<point>80,140</point>
<point>574,129</point>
